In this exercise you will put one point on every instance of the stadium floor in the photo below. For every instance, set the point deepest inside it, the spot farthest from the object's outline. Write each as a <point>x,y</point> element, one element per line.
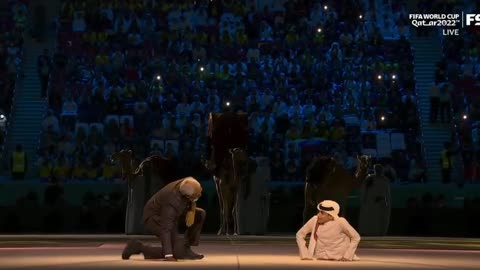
<point>239,252</point>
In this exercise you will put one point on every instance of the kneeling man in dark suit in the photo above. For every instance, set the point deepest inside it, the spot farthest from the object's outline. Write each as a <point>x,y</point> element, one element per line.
<point>161,215</point>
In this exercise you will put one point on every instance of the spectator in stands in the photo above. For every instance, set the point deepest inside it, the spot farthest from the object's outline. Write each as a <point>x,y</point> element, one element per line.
<point>79,170</point>
<point>338,131</point>
<point>322,130</point>
<point>78,23</point>
<point>126,130</point>
<point>54,192</point>
<point>445,102</point>
<point>65,145</point>
<point>469,165</point>
<point>109,170</point>
<point>446,162</point>
<point>44,66</point>
<point>61,170</point>
<point>434,102</point>
<point>140,117</point>
<point>50,122</point>
<point>19,163</point>
<point>401,164</point>
<point>45,169</point>
<point>91,170</point>
<point>292,169</point>
<point>308,131</point>
<point>277,166</point>
<point>69,113</point>
<point>95,138</point>
<point>170,152</point>
<point>183,106</point>
<point>416,172</point>
<point>12,67</point>
<point>293,133</point>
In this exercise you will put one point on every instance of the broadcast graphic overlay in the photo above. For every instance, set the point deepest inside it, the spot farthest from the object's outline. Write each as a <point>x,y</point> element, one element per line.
<point>451,24</point>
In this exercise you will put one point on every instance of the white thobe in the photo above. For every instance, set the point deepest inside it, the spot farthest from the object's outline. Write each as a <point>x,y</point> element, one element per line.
<point>336,239</point>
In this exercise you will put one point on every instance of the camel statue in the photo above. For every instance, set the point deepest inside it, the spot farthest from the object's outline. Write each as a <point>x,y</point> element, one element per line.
<point>151,175</point>
<point>326,179</point>
<point>133,214</point>
<point>235,171</point>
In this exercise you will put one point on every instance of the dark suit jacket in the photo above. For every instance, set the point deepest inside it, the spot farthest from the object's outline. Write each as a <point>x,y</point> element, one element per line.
<point>166,207</point>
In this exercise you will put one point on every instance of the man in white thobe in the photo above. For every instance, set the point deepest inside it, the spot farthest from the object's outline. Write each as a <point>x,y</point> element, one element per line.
<point>332,237</point>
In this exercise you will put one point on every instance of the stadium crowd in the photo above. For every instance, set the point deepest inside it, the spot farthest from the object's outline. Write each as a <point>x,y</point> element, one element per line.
<point>13,23</point>
<point>145,74</point>
<point>457,78</point>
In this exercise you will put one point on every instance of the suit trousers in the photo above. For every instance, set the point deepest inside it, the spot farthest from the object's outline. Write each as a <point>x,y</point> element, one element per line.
<point>191,238</point>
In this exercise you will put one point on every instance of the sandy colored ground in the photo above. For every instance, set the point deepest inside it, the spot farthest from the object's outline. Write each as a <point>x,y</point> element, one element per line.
<point>81,252</point>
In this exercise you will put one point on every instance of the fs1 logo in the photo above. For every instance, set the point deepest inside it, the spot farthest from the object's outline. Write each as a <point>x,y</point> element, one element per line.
<point>472,18</point>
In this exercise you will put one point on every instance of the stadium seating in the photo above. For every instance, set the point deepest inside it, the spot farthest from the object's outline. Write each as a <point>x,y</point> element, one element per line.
<point>145,75</point>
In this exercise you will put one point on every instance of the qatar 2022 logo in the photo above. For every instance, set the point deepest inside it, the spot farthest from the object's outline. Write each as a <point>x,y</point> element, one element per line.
<point>450,24</point>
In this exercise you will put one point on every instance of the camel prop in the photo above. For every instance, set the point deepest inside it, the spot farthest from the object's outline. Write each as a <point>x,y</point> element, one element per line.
<point>326,179</point>
<point>151,175</point>
<point>233,174</point>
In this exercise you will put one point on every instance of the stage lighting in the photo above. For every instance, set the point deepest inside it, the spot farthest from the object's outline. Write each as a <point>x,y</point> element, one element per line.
<point>394,77</point>
<point>227,103</point>
<point>202,69</point>
<point>319,30</point>
<point>2,116</point>
<point>379,77</point>
<point>464,117</point>
<point>325,7</point>
<point>158,77</point>
<point>382,118</point>
<point>360,16</point>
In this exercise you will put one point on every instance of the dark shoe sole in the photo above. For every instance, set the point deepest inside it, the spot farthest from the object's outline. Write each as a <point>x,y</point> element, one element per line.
<point>196,257</point>
<point>132,247</point>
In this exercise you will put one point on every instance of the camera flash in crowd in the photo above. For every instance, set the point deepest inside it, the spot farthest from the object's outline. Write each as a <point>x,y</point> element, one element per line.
<point>2,116</point>
<point>360,16</point>
<point>227,103</point>
<point>382,118</point>
<point>394,76</point>
<point>319,30</point>
<point>379,77</point>
<point>159,77</point>
<point>325,7</point>
<point>202,69</point>
<point>464,117</point>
